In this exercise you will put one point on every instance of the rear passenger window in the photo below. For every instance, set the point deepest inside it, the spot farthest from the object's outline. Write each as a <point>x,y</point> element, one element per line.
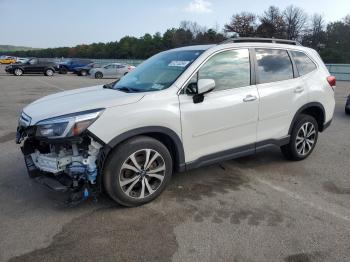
<point>303,62</point>
<point>273,65</point>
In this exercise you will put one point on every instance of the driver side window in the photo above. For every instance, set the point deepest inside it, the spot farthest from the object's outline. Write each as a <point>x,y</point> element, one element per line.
<point>33,61</point>
<point>229,69</point>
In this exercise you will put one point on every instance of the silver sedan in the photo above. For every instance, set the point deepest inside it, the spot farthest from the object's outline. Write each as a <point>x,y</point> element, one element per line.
<point>114,70</point>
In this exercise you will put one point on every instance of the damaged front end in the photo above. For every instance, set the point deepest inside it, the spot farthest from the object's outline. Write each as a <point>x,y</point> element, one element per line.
<point>62,155</point>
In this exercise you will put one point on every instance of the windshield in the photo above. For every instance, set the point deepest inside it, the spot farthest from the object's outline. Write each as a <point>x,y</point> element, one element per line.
<point>159,72</point>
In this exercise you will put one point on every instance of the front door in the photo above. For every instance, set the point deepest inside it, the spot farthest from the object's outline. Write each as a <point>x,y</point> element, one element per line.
<point>227,117</point>
<point>32,65</point>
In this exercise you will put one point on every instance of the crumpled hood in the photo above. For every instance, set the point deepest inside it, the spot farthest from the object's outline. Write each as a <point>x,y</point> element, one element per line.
<point>78,100</point>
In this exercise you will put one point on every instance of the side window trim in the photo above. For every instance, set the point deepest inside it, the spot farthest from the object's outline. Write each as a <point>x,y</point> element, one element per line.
<point>256,64</point>
<point>311,59</point>
<point>253,66</point>
<point>295,68</point>
<point>181,91</point>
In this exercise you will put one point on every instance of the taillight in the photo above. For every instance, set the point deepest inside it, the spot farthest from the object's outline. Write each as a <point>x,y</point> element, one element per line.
<point>332,81</point>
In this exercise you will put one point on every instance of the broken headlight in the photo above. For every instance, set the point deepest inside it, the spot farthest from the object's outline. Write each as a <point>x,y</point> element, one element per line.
<point>67,125</point>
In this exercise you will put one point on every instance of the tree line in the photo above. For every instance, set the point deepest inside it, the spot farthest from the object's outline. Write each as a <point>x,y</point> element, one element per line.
<point>331,40</point>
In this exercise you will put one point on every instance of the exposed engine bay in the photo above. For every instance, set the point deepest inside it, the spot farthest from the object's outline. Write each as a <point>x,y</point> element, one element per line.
<point>66,165</point>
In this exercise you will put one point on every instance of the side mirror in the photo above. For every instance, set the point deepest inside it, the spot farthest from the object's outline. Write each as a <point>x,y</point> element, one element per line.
<point>203,86</point>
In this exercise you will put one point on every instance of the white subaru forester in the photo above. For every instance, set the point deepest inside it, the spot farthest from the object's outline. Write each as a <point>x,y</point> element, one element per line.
<point>181,109</point>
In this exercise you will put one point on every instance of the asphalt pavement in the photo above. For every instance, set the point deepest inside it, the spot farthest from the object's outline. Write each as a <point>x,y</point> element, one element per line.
<point>256,208</point>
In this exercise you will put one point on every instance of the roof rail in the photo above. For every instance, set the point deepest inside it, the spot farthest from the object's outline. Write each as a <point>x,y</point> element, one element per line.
<point>260,40</point>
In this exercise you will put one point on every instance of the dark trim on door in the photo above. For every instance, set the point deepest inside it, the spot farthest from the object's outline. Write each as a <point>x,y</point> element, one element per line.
<point>262,145</point>
<point>221,156</point>
<point>236,152</point>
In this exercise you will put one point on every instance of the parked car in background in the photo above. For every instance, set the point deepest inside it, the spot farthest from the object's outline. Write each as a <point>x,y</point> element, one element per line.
<point>347,106</point>
<point>181,109</point>
<point>8,60</point>
<point>32,66</point>
<point>116,70</point>
<point>70,65</point>
<point>22,60</point>
<point>84,70</point>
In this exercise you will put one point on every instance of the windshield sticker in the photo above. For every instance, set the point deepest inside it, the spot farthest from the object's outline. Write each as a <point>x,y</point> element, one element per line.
<point>179,63</point>
<point>157,86</point>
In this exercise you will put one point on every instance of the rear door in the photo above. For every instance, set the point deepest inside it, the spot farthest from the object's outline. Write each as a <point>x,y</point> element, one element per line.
<point>281,92</point>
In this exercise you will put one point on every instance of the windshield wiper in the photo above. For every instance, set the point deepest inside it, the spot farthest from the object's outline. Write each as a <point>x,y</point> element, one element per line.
<point>110,85</point>
<point>127,89</point>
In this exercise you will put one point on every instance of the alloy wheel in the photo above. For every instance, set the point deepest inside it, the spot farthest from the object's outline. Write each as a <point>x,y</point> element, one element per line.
<point>49,72</point>
<point>18,72</point>
<point>305,139</point>
<point>142,173</point>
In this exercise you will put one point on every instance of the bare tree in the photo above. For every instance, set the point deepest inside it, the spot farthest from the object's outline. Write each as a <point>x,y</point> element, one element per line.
<point>347,20</point>
<point>193,27</point>
<point>272,23</point>
<point>243,24</point>
<point>295,19</point>
<point>317,24</point>
<point>315,36</point>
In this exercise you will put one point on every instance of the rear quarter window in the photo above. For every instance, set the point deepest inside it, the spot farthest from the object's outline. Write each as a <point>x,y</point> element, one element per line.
<point>273,65</point>
<point>304,64</point>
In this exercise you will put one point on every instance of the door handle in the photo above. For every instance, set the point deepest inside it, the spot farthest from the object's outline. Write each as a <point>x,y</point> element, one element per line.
<point>249,98</point>
<point>299,89</point>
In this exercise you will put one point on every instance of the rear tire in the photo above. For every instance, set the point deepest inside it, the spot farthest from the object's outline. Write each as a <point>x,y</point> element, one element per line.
<point>137,171</point>
<point>347,111</point>
<point>98,75</point>
<point>303,138</point>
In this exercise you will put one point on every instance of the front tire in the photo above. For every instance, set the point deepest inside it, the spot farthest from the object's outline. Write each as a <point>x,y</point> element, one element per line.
<point>303,138</point>
<point>83,72</point>
<point>98,75</point>
<point>49,72</point>
<point>18,72</point>
<point>137,171</point>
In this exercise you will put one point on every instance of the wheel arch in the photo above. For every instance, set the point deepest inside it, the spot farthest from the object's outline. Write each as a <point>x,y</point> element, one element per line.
<point>19,67</point>
<point>49,67</point>
<point>314,109</point>
<point>163,134</point>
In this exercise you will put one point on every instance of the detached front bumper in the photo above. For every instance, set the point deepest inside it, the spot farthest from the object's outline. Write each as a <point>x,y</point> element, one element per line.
<point>64,165</point>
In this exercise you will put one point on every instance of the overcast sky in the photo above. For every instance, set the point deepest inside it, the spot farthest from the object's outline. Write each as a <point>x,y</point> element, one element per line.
<point>45,23</point>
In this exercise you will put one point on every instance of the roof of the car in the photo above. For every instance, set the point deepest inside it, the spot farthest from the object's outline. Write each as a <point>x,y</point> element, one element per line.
<point>193,48</point>
<point>242,44</point>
